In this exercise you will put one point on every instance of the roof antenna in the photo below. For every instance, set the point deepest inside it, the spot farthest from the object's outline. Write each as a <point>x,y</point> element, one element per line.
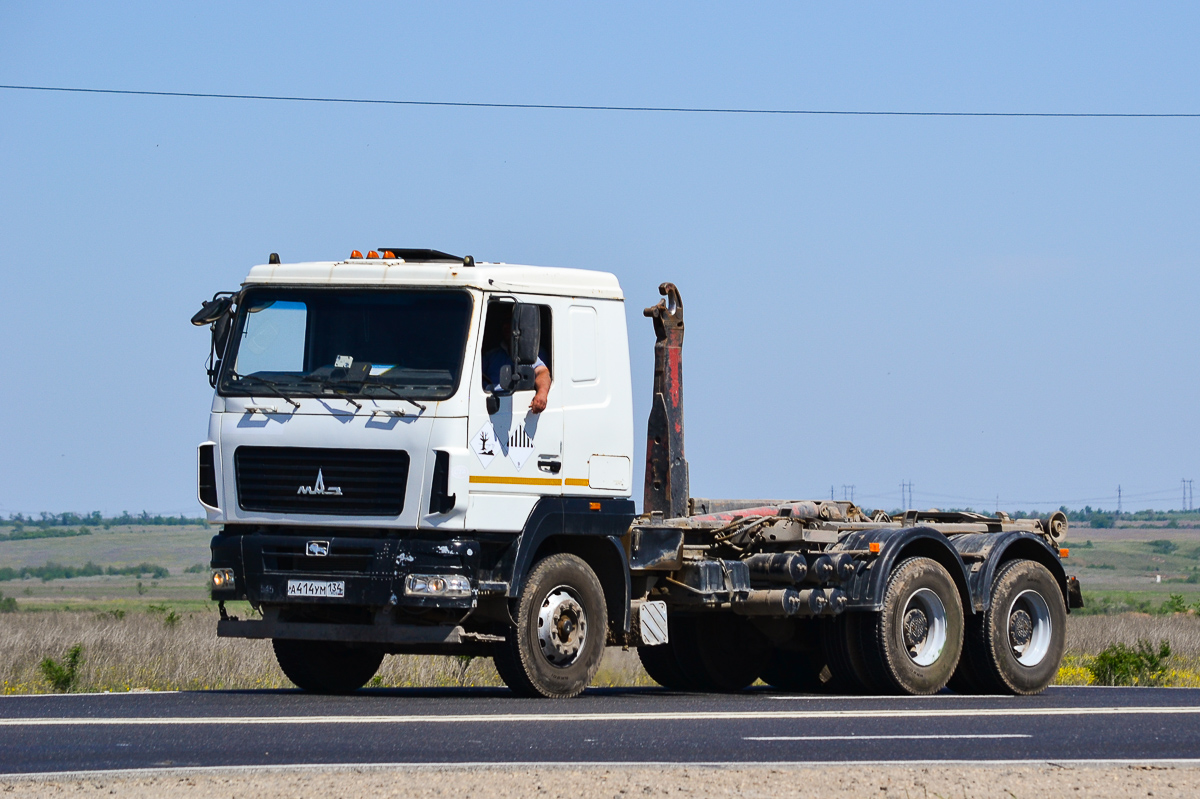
<point>274,259</point>
<point>468,261</point>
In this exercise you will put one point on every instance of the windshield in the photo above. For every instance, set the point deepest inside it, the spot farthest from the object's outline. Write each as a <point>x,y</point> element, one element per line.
<point>377,343</point>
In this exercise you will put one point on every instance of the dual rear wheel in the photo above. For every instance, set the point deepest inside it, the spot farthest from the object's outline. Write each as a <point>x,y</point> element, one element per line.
<point>920,641</point>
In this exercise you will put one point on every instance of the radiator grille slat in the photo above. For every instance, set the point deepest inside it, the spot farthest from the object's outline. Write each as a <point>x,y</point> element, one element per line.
<point>309,479</point>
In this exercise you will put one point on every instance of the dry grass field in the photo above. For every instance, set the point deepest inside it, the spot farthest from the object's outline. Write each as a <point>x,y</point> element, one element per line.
<point>157,651</point>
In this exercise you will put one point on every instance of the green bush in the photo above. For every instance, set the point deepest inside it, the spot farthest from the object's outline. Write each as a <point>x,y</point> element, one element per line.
<point>196,568</point>
<point>1162,546</point>
<point>1174,604</point>
<point>62,675</point>
<point>8,604</point>
<point>1137,665</point>
<point>1102,520</point>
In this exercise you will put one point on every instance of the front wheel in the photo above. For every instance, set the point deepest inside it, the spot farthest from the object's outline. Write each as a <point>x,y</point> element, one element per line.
<point>556,647</point>
<point>325,667</point>
<point>913,644</point>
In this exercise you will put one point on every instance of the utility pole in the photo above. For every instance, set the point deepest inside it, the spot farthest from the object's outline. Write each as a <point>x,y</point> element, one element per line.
<point>1118,500</point>
<point>906,494</point>
<point>1183,505</point>
<point>831,496</point>
<point>848,492</point>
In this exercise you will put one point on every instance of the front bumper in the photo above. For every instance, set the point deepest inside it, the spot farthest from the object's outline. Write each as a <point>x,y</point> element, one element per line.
<point>373,570</point>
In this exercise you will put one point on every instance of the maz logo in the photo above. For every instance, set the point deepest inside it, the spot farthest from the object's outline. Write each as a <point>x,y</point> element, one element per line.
<point>319,488</point>
<point>317,548</point>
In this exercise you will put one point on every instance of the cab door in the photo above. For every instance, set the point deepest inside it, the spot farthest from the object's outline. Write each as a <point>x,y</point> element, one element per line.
<point>517,454</point>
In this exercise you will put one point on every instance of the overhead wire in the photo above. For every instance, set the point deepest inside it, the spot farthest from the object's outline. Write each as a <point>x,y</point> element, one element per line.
<point>626,108</point>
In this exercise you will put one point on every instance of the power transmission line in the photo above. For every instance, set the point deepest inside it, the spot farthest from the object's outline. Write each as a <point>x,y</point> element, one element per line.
<point>629,108</point>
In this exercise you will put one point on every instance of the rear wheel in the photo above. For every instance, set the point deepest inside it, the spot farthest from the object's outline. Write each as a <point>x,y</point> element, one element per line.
<point>795,671</point>
<point>721,652</point>
<point>325,667</point>
<point>661,662</point>
<point>841,644</point>
<point>556,647</point>
<point>1016,645</point>
<point>913,644</point>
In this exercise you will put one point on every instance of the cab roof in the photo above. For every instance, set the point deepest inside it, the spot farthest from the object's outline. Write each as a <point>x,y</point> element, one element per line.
<point>360,272</point>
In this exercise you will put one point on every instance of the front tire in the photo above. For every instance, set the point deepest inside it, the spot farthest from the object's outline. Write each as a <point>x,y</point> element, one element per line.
<point>325,667</point>
<point>1016,645</point>
<point>913,644</point>
<point>556,647</point>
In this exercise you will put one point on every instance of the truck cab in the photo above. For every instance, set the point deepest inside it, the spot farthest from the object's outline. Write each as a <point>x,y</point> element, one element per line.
<point>373,459</point>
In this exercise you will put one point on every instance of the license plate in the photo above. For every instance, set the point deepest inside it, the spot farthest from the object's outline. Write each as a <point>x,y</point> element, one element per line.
<point>336,588</point>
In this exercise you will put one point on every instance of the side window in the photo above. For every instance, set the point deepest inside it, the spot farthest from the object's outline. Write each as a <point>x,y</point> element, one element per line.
<point>497,328</point>
<point>582,323</point>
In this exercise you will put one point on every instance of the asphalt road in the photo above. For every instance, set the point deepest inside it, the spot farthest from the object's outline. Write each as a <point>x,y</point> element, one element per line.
<point>257,728</point>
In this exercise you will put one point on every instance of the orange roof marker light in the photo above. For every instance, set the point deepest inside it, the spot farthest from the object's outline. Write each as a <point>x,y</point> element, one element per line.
<point>355,254</point>
<point>373,255</point>
<point>389,254</point>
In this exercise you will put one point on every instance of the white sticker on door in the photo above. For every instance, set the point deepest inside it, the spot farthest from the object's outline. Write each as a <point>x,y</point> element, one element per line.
<point>520,447</point>
<point>484,444</point>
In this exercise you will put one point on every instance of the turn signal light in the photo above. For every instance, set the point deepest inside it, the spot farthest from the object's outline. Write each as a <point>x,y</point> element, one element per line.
<point>355,254</point>
<point>450,585</point>
<point>222,579</point>
<point>1062,553</point>
<point>594,505</point>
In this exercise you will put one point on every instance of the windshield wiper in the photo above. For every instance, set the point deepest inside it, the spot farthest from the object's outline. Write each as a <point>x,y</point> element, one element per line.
<point>396,393</point>
<point>271,385</point>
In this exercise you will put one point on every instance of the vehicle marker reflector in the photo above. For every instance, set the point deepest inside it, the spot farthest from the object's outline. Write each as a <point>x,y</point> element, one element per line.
<point>1062,553</point>
<point>873,547</point>
<point>517,481</point>
<point>577,481</point>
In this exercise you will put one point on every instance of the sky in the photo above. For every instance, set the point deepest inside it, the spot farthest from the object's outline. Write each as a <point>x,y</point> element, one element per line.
<point>1000,311</point>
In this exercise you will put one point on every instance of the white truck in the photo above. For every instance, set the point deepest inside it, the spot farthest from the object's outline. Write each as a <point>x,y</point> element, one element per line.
<point>391,475</point>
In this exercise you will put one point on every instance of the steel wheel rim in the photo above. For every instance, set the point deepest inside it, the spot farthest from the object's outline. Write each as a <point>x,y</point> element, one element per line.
<point>562,627</point>
<point>1031,646</point>
<point>924,627</point>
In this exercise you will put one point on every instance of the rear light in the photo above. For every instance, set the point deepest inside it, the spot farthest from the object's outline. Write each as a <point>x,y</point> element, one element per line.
<point>208,476</point>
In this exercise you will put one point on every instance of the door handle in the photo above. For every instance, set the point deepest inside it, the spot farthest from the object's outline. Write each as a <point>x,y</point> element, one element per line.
<point>549,465</point>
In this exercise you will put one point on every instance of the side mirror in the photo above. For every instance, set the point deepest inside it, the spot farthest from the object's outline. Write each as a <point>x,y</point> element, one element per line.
<point>526,334</point>
<point>212,310</point>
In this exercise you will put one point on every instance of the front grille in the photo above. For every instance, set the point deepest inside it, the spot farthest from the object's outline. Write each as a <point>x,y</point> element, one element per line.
<point>339,482</point>
<point>292,557</point>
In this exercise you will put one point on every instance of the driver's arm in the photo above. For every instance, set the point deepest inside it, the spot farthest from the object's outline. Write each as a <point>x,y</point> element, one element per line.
<point>541,382</point>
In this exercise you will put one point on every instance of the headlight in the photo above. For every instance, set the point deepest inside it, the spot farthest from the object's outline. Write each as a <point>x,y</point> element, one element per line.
<point>451,585</point>
<point>221,580</point>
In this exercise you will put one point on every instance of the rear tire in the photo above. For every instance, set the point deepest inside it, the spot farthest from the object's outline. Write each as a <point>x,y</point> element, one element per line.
<point>562,623</point>
<point>661,662</point>
<point>324,667</point>
<point>913,644</point>
<point>796,672</point>
<point>1016,645</point>
<point>721,652</point>
<point>841,643</point>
